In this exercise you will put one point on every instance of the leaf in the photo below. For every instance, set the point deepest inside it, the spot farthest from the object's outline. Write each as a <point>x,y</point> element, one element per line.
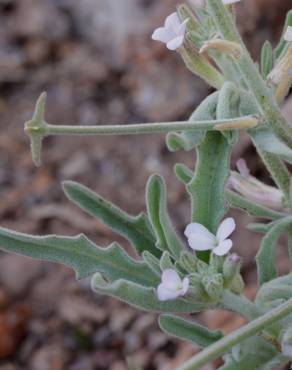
<point>183,173</point>
<point>266,257</point>
<point>207,186</point>
<point>79,253</point>
<point>228,107</point>
<point>266,140</point>
<point>251,354</point>
<point>136,229</point>
<point>188,330</point>
<point>187,140</point>
<point>283,43</point>
<point>142,297</point>
<point>152,262</point>
<point>253,209</point>
<point>166,235</point>
<point>267,59</point>
<point>258,227</point>
<point>165,261</point>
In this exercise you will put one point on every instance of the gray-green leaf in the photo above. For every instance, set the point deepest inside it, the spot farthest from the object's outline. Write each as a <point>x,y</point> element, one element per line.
<point>266,257</point>
<point>188,330</point>
<point>136,229</point>
<point>79,253</point>
<point>142,297</point>
<point>167,238</point>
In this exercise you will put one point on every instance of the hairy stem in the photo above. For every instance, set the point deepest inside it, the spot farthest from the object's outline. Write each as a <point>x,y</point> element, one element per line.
<point>225,344</point>
<point>249,71</point>
<point>142,128</point>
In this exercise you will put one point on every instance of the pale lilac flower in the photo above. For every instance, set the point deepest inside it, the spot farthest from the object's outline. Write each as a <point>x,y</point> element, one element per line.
<point>172,286</point>
<point>201,239</point>
<point>173,32</point>
<point>227,2</point>
<point>288,34</point>
<point>287,350</point>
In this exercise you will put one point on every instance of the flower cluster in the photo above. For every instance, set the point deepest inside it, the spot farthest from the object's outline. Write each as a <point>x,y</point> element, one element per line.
<point>199,239</point>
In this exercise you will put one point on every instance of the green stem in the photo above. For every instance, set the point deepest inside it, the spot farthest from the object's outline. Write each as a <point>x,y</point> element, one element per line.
<point>257,85</point>
<point>225,344</point>
<point>240,304</point>
<point>141,128</point>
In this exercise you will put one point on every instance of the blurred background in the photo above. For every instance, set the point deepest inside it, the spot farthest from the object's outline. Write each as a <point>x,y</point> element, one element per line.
<point>98,64</point>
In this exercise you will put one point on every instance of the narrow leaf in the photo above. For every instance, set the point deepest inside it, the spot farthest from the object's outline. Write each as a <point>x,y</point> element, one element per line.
<point>267,59</point>
<point>266,140</point>
<point>266,257</point>
<point>283,43</point>
<point>79,253</point>
<point>152,262</point>
<point>183,173</point>
<point>167,238</point>
<point>142,297</point>
<point>188,330</point>
<point>136,229</point>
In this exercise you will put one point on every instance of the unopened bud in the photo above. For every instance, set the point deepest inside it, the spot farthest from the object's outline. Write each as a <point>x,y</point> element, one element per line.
<point>200,66</point>
<point>223,46</point>
<point>213,285</point>
<point>254,190</point>
<point>231,268</point>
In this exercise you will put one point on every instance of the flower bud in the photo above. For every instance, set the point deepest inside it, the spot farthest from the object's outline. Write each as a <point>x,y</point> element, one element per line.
<point>231,268</point>
<point>237,285</point>
<point>213,285</point>
<point>254,190</point>
<point>223,46</point>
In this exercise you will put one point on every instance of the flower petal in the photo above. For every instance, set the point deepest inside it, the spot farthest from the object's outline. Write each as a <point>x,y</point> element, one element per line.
<point>195,228</point>
<point>175,43</point>
<point>162,34</point>
<point>171,279</point>
<point>223,248</point>
<point>164,294</point>
<point>173,21</point>
<point>227,2</point>
<point>288,34</point>
<point>201,242</point>
<point>185,286</point>
<point>225,229</point>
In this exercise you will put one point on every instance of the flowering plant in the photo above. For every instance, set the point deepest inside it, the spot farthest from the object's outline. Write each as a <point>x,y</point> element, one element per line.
<point>171,275</point>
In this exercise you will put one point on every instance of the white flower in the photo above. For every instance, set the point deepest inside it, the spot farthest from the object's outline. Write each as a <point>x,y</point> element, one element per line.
<point>173,32</point>
<point>227,2</point>
<point>288,34</point>
<point>171,286</point>
<point>201,239</point>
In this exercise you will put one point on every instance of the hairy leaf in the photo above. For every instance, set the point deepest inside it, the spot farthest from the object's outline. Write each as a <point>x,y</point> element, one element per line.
<point>79,253</point>
<point>183,173</point>
<point>136,229</point>
<point>152,262</point>
<point>188,330</point>
<point>142,297</point>
<point>167,238</point>
<point>283,43</point>
<point>187,140</point>
<point>266,257</point>
<point>267,59</point>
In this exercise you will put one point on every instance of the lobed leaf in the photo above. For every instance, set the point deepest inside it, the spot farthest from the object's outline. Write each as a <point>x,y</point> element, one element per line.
<point>188,330</point>
<point>135,229</point>
<point>142,297</point>
<point>166,236</point>
<point>266,257</point>
<point>79,253</point>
